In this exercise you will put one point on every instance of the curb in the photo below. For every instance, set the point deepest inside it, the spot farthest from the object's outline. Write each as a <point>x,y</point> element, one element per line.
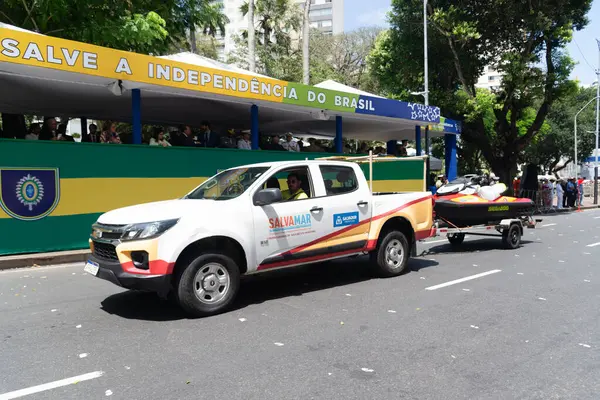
<point>39,259</point>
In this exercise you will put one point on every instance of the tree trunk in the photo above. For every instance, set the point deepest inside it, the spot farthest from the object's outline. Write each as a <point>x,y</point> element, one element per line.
<point>305,44</point>
<point>193,46</point>
<point>251,39</point>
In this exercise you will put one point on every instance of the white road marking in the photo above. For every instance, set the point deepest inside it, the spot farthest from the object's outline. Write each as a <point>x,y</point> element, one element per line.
<point>541,298</point>
<point>348,294</point>
<point>587,346</point>
<point>392,311</point>
<point>278,344</point>
<point>366,369</point>
<point>466,290</point>
<point>78,326</point>
<point>594,244</point>
<point>520,273</point>
<point>51,385</point>
<point>544,226</point>
<point>83,355</point>
<point>108,393</point>
<point>468,278</point>
<point>53,310</point>
<point>242,319</point>
<point>596,217</point>
<point>474,327</point>
<point>586,280</point>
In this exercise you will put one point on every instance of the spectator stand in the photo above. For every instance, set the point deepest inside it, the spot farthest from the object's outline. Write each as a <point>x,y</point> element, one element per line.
<point>47,76</point>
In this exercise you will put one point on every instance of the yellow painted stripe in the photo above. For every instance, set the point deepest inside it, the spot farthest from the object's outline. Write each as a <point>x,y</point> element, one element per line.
<point>409,185</point>
<point>97,195</point>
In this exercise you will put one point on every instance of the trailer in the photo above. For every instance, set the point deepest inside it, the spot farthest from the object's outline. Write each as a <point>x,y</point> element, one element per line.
<point>511,230</point>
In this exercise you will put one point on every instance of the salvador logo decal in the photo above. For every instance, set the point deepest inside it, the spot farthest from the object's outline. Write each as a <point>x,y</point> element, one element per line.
<point>29,194</point>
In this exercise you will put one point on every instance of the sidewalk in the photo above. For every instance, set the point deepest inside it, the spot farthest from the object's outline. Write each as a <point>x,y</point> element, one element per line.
<point>39,259</point>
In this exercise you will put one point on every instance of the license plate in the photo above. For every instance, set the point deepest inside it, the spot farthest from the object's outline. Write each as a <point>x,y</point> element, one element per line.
<point>91,267</point>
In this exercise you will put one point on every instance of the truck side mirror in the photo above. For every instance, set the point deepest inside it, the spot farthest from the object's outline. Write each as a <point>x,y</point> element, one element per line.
<point>265,197</point>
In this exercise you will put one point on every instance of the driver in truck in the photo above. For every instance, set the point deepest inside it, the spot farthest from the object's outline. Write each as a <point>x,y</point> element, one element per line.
<point>295,191</point>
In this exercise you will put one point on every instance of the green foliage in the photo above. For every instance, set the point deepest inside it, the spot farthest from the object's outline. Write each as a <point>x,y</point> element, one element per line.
<point>144,26</point>
<point>557,141</point>
<point>523,40</point>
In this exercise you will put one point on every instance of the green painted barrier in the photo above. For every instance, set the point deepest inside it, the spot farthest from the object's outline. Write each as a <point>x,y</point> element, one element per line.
<point>52,192</point>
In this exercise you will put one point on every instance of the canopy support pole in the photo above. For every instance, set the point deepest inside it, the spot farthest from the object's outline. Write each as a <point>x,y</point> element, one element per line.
<point>418,140</point>
<point>392,147</point>
<point>450,155</point>
<point>427,161</point>
<point>84,128</point>
<point>254,127</point>
<point>136,110</point>
<point>339,144</point>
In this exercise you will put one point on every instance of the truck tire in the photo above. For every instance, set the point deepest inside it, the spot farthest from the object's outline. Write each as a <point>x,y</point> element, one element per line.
<point>511,237</point>
<point>456,239</point>
<point>208,284</point>
<point>392,254</point>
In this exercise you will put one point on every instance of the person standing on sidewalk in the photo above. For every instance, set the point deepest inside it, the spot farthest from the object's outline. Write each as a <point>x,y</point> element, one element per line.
<point>560,193</point>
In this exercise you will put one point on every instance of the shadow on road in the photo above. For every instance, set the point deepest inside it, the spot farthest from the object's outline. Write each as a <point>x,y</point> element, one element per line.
<point>257,289</point>
<point>473,246</point>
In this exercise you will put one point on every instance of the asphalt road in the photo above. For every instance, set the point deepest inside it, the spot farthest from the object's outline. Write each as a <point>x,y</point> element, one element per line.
<point>326,331</point>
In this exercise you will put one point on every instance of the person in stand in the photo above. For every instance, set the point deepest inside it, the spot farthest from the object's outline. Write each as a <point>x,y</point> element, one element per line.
<point>158,138</point>
<point>49,129</point>
<point>34,132</point>
<point>290,144</point>
<point>294,191</point>
<point>208,138</point>
<point>185,137</point>
<point>244,143</point>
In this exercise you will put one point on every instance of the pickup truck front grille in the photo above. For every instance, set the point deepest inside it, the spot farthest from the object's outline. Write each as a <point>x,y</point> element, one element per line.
<point>105,250</point>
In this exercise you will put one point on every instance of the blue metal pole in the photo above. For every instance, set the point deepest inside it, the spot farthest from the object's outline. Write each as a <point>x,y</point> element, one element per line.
<point>254,127</point>
<point>136,110</point>
<point>418,140</point>
<point>450,155</point>
<point>84,128</point>
<point>339,144</point>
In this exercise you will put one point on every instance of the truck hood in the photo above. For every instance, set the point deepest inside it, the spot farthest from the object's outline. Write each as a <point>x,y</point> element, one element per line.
<point>157,211</point>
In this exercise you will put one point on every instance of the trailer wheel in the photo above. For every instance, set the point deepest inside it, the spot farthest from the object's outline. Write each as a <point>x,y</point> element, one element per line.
<point>208,284</point>
<point>456,239</point>
<point>392,254</point>
<point>511,237</point>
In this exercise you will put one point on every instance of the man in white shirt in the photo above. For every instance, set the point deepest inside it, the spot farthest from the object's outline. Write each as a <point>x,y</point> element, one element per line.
<point>289,144</point>
<point>244,143</point>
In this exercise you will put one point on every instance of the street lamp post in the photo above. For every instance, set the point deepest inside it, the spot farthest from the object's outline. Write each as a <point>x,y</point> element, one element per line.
<point>425,50</point>
<point>575,125</point>
<point>597,125</point>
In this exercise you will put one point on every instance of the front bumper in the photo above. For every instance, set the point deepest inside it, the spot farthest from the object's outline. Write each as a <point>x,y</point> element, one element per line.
<point>113,272</point>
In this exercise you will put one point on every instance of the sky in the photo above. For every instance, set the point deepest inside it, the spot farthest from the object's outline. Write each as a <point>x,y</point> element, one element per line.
<point>583,48</point>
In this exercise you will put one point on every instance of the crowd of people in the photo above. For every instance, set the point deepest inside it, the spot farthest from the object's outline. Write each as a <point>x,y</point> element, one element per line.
<point>555,193</point>
<point>205,136</point>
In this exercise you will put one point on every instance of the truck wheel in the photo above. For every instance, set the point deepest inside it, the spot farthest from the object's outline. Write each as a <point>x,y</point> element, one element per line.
<point>511,237</point>
<point>208,284</point>
<point>392,254</point>
<point>456,239</point>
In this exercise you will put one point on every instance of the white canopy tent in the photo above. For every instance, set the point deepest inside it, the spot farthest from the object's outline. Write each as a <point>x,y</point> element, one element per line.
<point>52,92</point>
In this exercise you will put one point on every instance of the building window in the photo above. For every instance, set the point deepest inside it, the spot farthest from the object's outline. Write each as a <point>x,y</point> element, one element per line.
<point>320,12</point>
<point>327,23</point>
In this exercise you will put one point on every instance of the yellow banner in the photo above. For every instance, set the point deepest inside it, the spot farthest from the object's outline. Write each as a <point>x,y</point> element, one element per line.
<point>66,55</point>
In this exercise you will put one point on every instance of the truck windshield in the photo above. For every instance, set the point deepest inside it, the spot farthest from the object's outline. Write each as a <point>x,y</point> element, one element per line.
<point>227,184</point>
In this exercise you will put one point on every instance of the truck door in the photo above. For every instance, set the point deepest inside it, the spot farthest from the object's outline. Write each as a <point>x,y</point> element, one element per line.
<point>283,229</point>
<point>346,206</point>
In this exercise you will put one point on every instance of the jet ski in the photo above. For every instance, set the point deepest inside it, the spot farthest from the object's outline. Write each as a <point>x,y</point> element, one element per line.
<point>465,202</point>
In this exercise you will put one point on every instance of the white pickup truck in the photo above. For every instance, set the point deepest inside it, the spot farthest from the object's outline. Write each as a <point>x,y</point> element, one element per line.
<point>256,218</point>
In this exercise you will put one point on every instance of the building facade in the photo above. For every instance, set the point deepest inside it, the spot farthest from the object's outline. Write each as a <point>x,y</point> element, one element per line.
<point>491,79</point>
<point>325,15</point>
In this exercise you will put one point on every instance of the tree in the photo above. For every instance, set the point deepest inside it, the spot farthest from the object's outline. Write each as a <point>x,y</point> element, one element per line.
<point>523,40</point>
<point>306,43</point>
<point>343,57</point>
<point>143,26</point>
<point>555,149</point>
<point>275,20</point>
<point>208,16</point>
<point>251,37</point>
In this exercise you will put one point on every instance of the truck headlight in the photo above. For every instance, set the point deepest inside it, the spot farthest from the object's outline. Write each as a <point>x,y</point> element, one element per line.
<point>147,230</point>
